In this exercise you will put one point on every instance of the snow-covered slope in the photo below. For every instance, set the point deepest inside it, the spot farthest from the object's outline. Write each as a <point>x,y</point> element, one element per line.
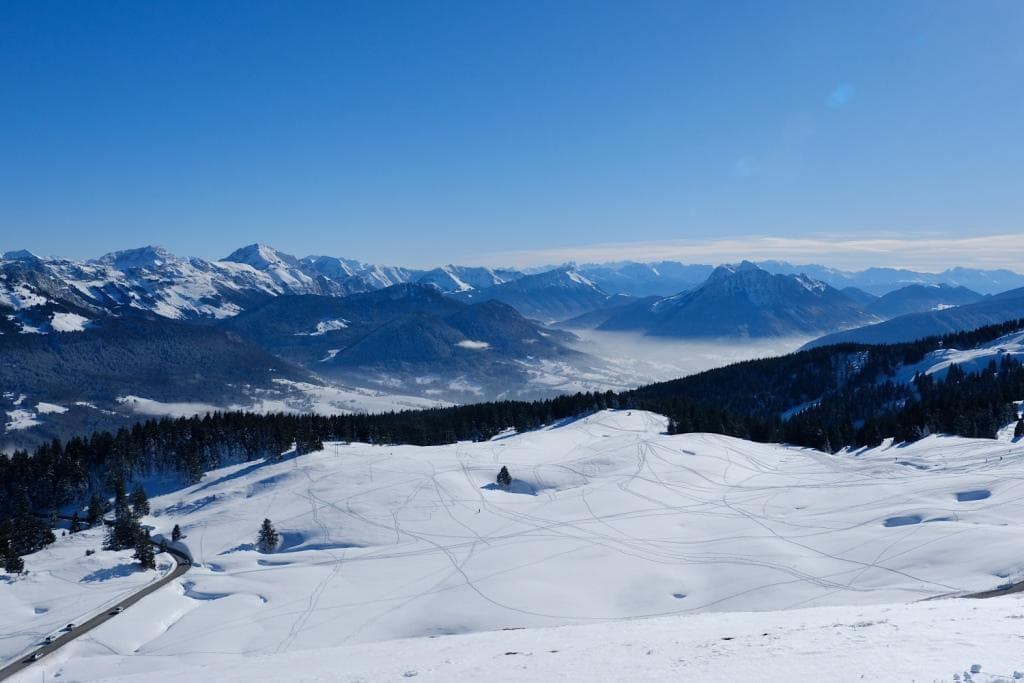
<point>607,519</point>
<point>970,360</point>
<point>939,641</point>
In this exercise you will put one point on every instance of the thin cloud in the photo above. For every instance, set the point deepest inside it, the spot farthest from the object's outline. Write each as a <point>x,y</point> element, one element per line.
<point>925,253</point>
<point>841,96</point>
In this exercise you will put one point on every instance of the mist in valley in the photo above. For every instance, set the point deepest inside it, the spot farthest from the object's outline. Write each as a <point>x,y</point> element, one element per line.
<point>632,359</point>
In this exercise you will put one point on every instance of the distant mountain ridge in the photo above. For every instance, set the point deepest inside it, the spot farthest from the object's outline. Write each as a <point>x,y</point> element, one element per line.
<point>550,296</point>
<point>990,310</point>
<point>921,298</point>
<point>879,281</point>
<point>743,301</point>
<point>152,280</point>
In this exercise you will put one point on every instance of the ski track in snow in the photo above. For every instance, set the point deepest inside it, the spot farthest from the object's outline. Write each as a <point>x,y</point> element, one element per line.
<point>616,521</point>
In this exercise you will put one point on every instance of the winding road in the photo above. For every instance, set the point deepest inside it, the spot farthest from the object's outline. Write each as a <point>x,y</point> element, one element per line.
<point>24,662</point>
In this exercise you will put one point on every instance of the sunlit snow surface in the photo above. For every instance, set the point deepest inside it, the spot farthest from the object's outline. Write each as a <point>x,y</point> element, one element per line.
<point>607,519</point>
<point>927,641</point>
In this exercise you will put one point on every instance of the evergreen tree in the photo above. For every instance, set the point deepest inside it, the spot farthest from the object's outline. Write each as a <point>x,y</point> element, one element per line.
<point>1019,431</point>
<point>76,524</point>
<point>12,563</point>
<point>125,531</point>
<point>139,501</point>
<point>24,532</point>
<point>176,533</point>
<point>95,514</point>
<point>268,538</point>
<point>144,550</point>
<point>121,508</point>
<point>504,478</point>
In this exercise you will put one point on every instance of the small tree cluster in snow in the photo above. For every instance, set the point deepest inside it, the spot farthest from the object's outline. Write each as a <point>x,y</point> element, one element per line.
<point>268,538</point>
<point>504,478</point>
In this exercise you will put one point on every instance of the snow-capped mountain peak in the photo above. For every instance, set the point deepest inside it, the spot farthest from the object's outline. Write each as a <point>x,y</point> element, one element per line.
<point>19,255</point>
<point>142,257</point>
<point>262,257</point>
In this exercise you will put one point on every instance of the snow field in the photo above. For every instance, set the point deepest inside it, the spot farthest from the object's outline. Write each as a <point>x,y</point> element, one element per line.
<point>608,519</point>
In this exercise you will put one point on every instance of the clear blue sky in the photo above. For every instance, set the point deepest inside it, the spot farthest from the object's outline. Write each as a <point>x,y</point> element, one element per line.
<point>426,132</point>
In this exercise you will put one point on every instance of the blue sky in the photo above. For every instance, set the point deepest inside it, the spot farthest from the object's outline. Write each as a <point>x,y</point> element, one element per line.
<point>423,132</point>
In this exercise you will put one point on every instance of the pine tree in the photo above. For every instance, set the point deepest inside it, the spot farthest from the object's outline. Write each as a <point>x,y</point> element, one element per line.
<point>140,503</point>
<point>121,508</point>
<point>144,550</point>
<point>504,478</point>
<point>268,538</point>
<point>1019,431</point>
<point>95,513</point>
<point>176,533</point>
<point>12,563</point>
<point>125,530</point>
<point>76,524</point>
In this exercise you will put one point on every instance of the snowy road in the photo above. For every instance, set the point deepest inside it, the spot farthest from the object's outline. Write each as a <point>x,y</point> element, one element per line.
<point>183,565</point>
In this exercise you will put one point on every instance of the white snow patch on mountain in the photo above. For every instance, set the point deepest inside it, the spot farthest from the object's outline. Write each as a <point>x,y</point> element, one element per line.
<point>50,409</point>
<point>20,419</point>
<point>289,397</point>
<point>331,353</point>
<point>579,279</point>
<point>148,406</point>
<point>20,296</point>
<point>68,322</point>
<point>323,327</point>
<point>473,344</point>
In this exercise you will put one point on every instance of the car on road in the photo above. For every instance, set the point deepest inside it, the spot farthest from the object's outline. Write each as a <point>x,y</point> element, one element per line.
<point>49,639</point>
<point>117,610</point>
<point>36,656</point>
<point>70,627</point>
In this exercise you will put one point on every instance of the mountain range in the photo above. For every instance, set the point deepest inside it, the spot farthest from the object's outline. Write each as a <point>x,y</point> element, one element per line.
<point>248,329</point>
<point>153,279</point>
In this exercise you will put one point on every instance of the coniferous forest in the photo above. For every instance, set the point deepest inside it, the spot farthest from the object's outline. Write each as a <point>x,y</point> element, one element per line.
<point>846,395</point>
